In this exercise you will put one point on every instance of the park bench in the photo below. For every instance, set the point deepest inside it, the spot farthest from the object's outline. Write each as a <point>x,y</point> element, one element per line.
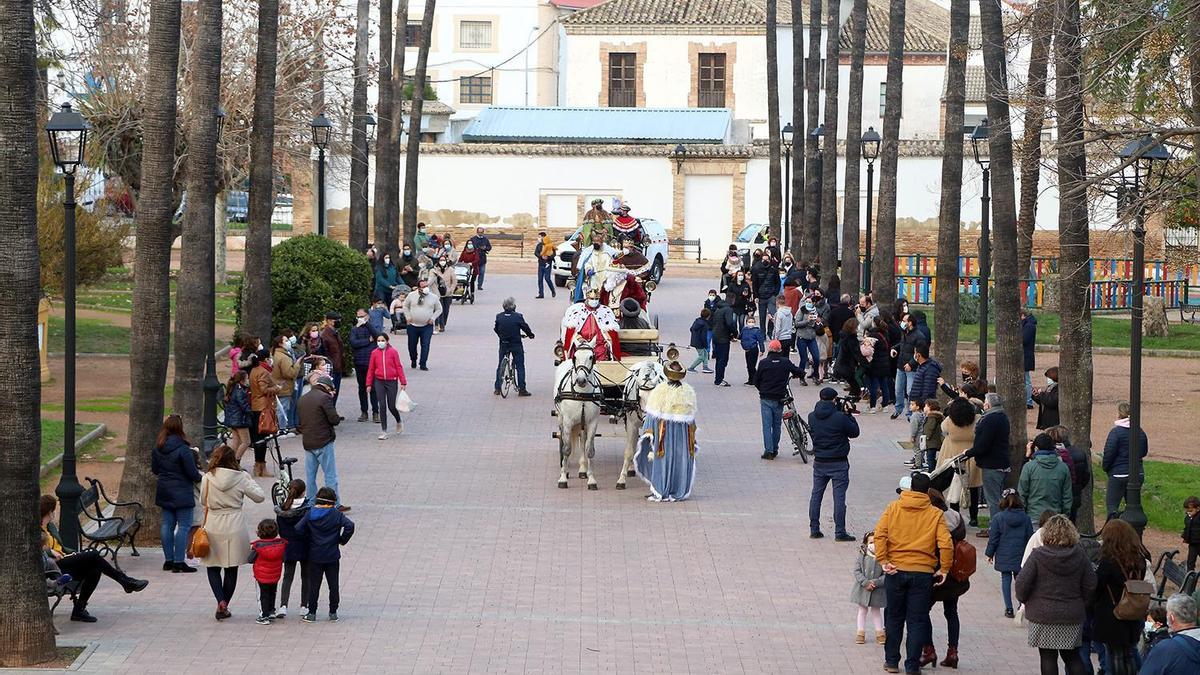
<point>509,237</point>
<point>110,532</point>
<point>684,244</point>
<point>1177,574</point>
<point>56,588</point>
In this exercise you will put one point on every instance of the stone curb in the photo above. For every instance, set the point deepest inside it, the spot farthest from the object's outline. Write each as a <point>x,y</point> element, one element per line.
<point>87,438</point>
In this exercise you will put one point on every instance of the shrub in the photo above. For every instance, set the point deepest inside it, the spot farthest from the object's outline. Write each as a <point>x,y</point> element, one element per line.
<point>99,242</point>
<point>968,308</point>
<point>312,275</point>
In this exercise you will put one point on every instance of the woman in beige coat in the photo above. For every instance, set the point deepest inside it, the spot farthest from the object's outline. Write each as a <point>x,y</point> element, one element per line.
<point>223,490</point>
<point>444,282</point>
<point>958,432</point>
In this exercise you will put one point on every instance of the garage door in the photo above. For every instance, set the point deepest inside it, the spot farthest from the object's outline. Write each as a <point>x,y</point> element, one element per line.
<point>562,211</point>
<point>708,212</point>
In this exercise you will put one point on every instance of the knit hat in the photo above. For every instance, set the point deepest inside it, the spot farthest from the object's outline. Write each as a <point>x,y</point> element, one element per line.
<point>828,394</point>
<point>774,346</point>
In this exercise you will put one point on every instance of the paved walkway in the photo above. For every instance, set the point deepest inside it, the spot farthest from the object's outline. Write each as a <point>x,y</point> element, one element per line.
<point>467,558</point>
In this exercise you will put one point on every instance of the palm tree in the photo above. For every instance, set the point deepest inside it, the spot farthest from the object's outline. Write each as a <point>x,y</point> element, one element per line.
<point>1075,358</point>
<point>854,105</point>
<point>950,213</point>
<point>1010,380</point>
<point>796,226</point>
<point>195,287</point>
<point>829,220</point>
<point>256,276</point>
<point>775,181</point>
<point>150,322</point>
<point>812,182</point>
<point>358,138</point>
<point>397,130</point>
<point>413,152</point>
<point>1041,30</point>
<point>26,634</point>
<point>883,253</point>
<point>385,153</point>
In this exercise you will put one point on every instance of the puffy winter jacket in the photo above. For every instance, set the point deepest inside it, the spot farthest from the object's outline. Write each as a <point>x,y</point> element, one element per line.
<point>699,334</point>
<point>1045,484</point>
<point>268,559</point>
<point>831,432</point>
<point>1008,533</point>
<point>1116,449</point>
<point>237,408</point>
<point>325,528</point>
<point>175,465</point>
<point>924,383</point>
<point>288,519</point>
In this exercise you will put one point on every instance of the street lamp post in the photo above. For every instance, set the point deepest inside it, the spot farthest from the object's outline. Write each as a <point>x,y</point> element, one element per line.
<point>817,134</point>
<point>979,138</point>
<point>786,135</point>
<point>1143,152</point>
<point>68,137</point>
<point>212,385</point>
<point>870,152</point>
<point>322,128</point>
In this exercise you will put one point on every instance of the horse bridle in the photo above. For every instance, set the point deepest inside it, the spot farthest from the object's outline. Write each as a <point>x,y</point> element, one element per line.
<point>589,375</point>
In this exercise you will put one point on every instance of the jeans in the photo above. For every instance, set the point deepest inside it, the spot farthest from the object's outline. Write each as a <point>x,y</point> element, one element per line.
<point>808,349</point>
<point>337,385</point>
<point>324,458</point>
<point>421,334</point>
<point>1114,493</point>
<point>518,352</point>
<point>766,307</point>
<point>909,597</point>
<point>289,573</point>
<point>751,365</point>
<point>176,526</point>
<point>1028,388</point>
<point>385,394</point>
<point>440,322</point>
<point>289,413</point>
<point>721,354</point>
<point>772,421</point>
<point>293,410</point>
<point>223,589</point>
<point>875,385</point>
<point>993,486</point>
<point>904,382</point>
<point>823,473</point>
<point>330,572</point>
<point>360,373</point>
<point>478,281</point>
<point>266,598</point>
<point>545,277</point>
<point>1006,580</point>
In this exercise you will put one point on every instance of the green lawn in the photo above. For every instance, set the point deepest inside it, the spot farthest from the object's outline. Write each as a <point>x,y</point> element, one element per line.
<point>120,301</point>
<point>92,336</point>
<point>1167,485</point>
<point>52,436</point>
<point>1106,332</point>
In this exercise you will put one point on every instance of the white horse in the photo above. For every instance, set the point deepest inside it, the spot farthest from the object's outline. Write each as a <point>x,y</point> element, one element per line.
<point>642,379</point>
<point>577,402</point>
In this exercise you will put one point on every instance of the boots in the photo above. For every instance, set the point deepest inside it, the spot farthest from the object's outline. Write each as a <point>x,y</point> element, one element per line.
<point>80,613</point>
<point>951,660</point>
<point>132,585</point>
<point>260,469</point>
<point>928,656</point>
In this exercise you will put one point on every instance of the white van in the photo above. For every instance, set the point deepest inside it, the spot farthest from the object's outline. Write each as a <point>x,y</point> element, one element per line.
<point>655,251</point>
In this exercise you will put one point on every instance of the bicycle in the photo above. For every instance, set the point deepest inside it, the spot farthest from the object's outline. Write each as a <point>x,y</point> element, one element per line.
<point>283,476</point>
<point>796,427</point>
<point>509,376</point>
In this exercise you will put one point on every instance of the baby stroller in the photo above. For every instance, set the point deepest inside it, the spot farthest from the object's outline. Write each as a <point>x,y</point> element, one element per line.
<point>464,273</point>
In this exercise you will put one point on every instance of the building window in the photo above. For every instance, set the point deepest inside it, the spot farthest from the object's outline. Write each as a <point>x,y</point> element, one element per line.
<point>476,89</point>
<point>711,82</point>
<point>475,34</point>
<point>622,80</point>
<point>412,34</point>
<point>882,97</point>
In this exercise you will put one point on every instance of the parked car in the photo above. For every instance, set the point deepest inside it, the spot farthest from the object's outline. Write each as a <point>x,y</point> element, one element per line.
<point>752,236</point>
<point>655,251</point>
<point>237,206</point>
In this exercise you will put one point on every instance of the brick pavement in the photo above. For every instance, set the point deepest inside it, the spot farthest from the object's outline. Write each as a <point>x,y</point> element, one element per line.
<point>467,558</point>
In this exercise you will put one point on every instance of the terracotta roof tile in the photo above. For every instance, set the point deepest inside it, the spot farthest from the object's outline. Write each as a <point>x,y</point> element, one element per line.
<point>926,28</point>
<point>678,13</point>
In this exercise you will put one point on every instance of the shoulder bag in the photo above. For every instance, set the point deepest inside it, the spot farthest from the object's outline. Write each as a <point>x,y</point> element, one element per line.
<point>198,543</point>
<point>268,421</point>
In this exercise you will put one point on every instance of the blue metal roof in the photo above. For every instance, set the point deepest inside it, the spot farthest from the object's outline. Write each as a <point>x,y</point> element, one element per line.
<point>599,125</point>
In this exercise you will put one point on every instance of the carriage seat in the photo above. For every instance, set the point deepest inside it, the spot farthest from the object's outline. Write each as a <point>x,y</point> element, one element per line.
<point>613,373</point>
<point>638,335</point>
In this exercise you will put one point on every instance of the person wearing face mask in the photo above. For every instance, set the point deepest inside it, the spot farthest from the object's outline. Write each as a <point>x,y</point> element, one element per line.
<point>378,314</point>
<point>903,352</point>
<point>409,269</point>
<point>421,239</point>
<point>263,392</point>
<point>384,376</point>
<point>483,246</point>
<point>284,373</point>
<point>448,246</point>
<point>362,345</point>
<point>593,322</point>
<point>739,297</point>
<point>1047,400</point>
<point>386,276</point>
<point>331,345</point>
<point>544,252</point>
<point>773,250</point>
<point>471,256</point>
<point>444,282</point>
<point>421,308</point>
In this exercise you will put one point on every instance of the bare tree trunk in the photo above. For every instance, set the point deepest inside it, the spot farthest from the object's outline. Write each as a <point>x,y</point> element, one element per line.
<point>385,151</point>
<point>194,288</point>
<point>359,199</point>
<point>812,147</point>
<point>1010,380</point>
<point>256,274</point>
<point>883,253</point>
<point>1194,70</point>
<point>945,340</point>
<point>150,322</point>
<point>1041,29</point>
<point>796,225</point>
<point>851,243</point>
<point>399,54</point>
<point>829,219</point>
<point>413,152</point>
<point>26,634</point>
<point>775,204</point>
<point>220,244</point>
<point>1075,357</point>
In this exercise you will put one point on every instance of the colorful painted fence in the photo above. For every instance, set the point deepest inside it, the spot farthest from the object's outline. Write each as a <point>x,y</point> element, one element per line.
<point>1105,295</point>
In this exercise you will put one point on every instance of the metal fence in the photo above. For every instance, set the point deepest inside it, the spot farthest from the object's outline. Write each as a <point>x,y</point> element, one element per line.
<point>921,289</point>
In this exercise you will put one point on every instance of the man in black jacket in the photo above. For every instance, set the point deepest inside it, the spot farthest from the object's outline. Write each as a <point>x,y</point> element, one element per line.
<point>362,343</point>
<point>990,451</point>
<point>839,312</point>
<point>724,329</point>
<point>771,378</point>
<point>509,327</point>
<point>831,428</point>
<point>483,246</point>
<point>764,277</point>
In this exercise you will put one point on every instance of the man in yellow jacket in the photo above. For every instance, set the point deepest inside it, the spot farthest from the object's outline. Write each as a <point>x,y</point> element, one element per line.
<point>912,544</point>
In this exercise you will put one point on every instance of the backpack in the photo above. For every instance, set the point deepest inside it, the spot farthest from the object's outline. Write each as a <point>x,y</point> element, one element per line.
<point>1134,603</point>
<point>964,561</point>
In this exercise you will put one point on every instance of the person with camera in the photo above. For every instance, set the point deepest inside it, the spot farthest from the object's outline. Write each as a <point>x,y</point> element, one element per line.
<point>832,425</point>
<point>771,379</point>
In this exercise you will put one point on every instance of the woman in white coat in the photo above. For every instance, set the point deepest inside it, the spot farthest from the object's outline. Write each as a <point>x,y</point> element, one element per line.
<point>223,490</point>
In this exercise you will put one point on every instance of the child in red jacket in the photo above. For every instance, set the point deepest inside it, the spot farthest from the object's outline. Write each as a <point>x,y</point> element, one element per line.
<point>266,553</point>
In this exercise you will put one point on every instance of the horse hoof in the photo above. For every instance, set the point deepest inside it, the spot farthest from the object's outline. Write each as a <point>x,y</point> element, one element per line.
<point>593,486</point>
<point>630,473</point>
<point>583,474</point>
<point>620,486</point>
<point>562,484</point>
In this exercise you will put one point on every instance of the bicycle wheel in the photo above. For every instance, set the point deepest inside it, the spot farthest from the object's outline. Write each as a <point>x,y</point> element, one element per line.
<point>278,493</point>
<point>507,378</point>
<point>796,430</point>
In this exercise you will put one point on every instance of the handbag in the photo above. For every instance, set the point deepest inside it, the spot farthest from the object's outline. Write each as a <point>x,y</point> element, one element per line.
<point>1135,600</point>
<point>404,402</point>
<point>268,421</point>
<point>198,542</point>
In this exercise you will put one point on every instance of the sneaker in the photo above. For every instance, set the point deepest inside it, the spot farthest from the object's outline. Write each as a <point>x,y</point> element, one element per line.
<point>845,537</point>
<point>1008,614</point>
<point>333,617</point>
<point>524,393</point>
<point>816,535</point>
<point>424,368</point>
<point>263,620</point>
<point>496,392</point>
<point>223,611</point>
<point>375,417</point>
<point>769,455</point>
<point>722,383</point>
<point>872,410</point>
<point>303,610</point>
<point>362,417</point>
<point>309,618</point>
<point>895,415</point>
<point>383,436</point>
<point>691,370</point>
<point>706,369</point>
<point>281,613</point>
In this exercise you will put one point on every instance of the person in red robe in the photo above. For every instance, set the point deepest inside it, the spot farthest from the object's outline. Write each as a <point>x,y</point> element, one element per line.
<point>593,322</point>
